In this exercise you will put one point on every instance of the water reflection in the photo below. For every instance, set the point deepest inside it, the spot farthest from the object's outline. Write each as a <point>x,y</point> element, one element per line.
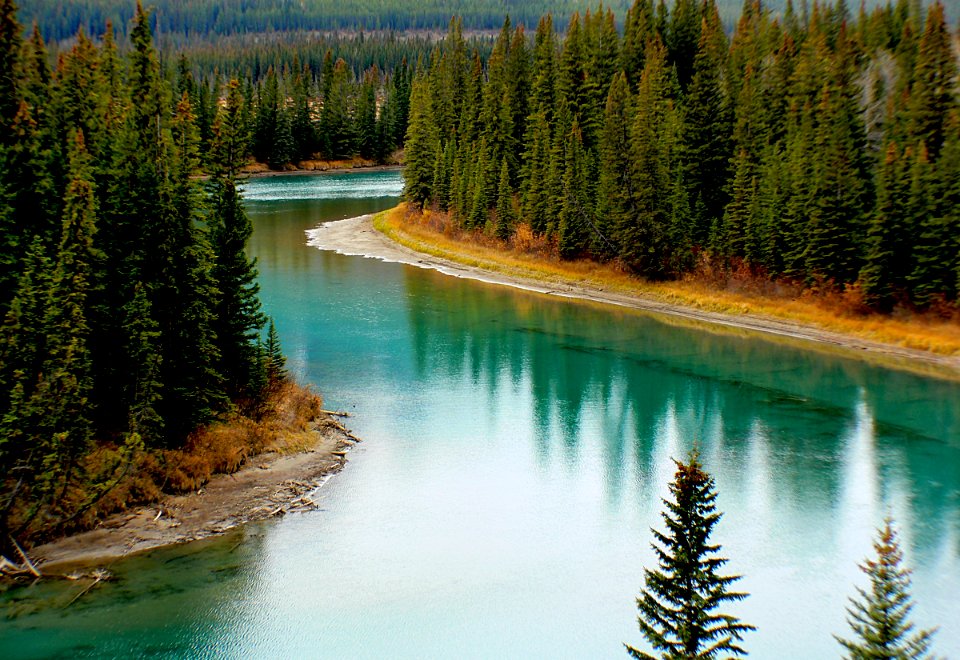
<point>516,449</point>
<point>790,432</point>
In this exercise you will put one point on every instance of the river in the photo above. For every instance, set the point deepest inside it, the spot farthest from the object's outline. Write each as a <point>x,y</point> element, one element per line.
<point>516,447</point>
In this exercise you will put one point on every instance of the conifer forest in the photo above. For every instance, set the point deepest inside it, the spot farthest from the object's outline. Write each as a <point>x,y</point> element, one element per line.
<point>810,144</point>
<point>130,310</point>
<point>822,146</point>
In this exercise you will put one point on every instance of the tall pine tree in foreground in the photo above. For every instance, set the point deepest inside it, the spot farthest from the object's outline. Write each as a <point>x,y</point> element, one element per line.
<point>879,618</point>
<point>678,606</point>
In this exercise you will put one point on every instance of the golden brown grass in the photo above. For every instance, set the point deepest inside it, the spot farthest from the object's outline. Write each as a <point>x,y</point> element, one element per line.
<point>734,293</point>
<point>284,424</point>
<point>223,447</point>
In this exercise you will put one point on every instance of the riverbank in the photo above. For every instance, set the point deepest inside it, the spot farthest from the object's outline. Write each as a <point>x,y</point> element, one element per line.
<point>281,479</point>
<point>932,350</point>
<point>260,171</point>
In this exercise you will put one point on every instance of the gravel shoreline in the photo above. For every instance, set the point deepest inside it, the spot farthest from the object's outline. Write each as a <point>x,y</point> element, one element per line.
<point>358,237</point>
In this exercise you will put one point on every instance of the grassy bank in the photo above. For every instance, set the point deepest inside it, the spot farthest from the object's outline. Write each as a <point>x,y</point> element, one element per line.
<point>738,293</point>
<point>284,423</point>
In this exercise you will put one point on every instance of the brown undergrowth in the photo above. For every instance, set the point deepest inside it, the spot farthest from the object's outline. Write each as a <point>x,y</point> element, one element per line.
<point>323,165</point>
<point>284,423</point>
<point>735,291</point>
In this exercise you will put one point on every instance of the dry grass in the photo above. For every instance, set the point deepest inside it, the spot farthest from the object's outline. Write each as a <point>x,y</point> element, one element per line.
<point>223,447</point>
<point>122,477</point>
<point>737,293</point>
<point>321,165</point>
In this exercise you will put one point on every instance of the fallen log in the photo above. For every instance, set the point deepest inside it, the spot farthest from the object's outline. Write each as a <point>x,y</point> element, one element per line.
<point>343,429</point>
<point>336,413</point>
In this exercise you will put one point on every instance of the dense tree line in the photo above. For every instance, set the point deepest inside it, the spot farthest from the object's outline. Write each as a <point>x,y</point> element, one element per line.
<point>819,146</point>
<point>210,19</point>
<point>294,113</point>
<point>128,309</point>
<point>214,18</point>
<point>251,56</point>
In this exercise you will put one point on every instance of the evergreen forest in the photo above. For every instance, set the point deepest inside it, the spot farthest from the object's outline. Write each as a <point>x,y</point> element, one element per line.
<point>129,308</point>
<point>820,147</point>
<point>210,19</point>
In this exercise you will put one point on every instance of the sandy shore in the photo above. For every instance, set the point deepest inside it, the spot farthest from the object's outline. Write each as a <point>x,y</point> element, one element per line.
<point>269,485</point>
<point>357,236</point>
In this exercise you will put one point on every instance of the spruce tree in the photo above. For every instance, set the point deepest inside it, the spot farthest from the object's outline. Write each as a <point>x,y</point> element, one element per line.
<point>642,236</point>
<point>237,318</point>
<point>182,295</point>
<point>678,606</point>
<point>544,73</point>
<point>615,198</point>
<point>879,618</point>
<point>421,145</point>
<point>141,388</point>
<point>274,356</point>
<point>505,215</point>
<point>706,129</point>
<point>576,213</point>
<point>536,168</point>
<point>934,94</point>
<point>11,39</point>
<point>885,267</point>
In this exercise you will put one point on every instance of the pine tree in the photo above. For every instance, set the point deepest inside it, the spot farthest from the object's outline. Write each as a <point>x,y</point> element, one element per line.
<point>497,112</point>
<point>544,73</point>
<point>366,114</point>
<point>576,212</point>
<point>237,318</point>
<point>678,605</point>
<point>274,356</point>
<point>141,387</point>
<point>181,296</point>
<point>65,383</point>
<point>682,38</point>
<point>10,44</point>
<point>505,214</point>
<point>880,617</point>
<point>268,118</point>
<point>336,125</point>
<point>706,129</point>
<point>536,168</point>
<point>885,269</point>
<point>842,184</point>
<point>615,196</point>
<point>933,95</point>
<point>421,145</point>
<point>443,175</point>
<point>639,29</point>
<point>301,125</point>
<point>643,236</point>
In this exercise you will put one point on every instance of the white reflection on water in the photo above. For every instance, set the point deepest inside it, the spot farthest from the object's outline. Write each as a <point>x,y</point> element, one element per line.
<point>859,499</point>
<point>322,186</point>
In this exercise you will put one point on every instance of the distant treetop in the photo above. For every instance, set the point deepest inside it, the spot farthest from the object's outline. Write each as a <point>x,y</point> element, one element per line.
<point>205,18</point>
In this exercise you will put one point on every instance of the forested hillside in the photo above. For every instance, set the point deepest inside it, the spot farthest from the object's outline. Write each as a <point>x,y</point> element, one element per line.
<point>823,149</point>
<point>210,18</point>
<point>129,309</point>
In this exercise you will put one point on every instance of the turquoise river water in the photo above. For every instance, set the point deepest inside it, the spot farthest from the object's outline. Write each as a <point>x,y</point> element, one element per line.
<point>516,447</point>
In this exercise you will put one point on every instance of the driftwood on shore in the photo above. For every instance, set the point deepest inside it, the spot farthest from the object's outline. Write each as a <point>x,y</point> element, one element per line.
<point>9,568</point>
<point>343,429</point>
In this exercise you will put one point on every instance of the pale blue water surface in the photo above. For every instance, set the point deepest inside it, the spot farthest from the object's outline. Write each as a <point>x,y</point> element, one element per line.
<point>515,449</point>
